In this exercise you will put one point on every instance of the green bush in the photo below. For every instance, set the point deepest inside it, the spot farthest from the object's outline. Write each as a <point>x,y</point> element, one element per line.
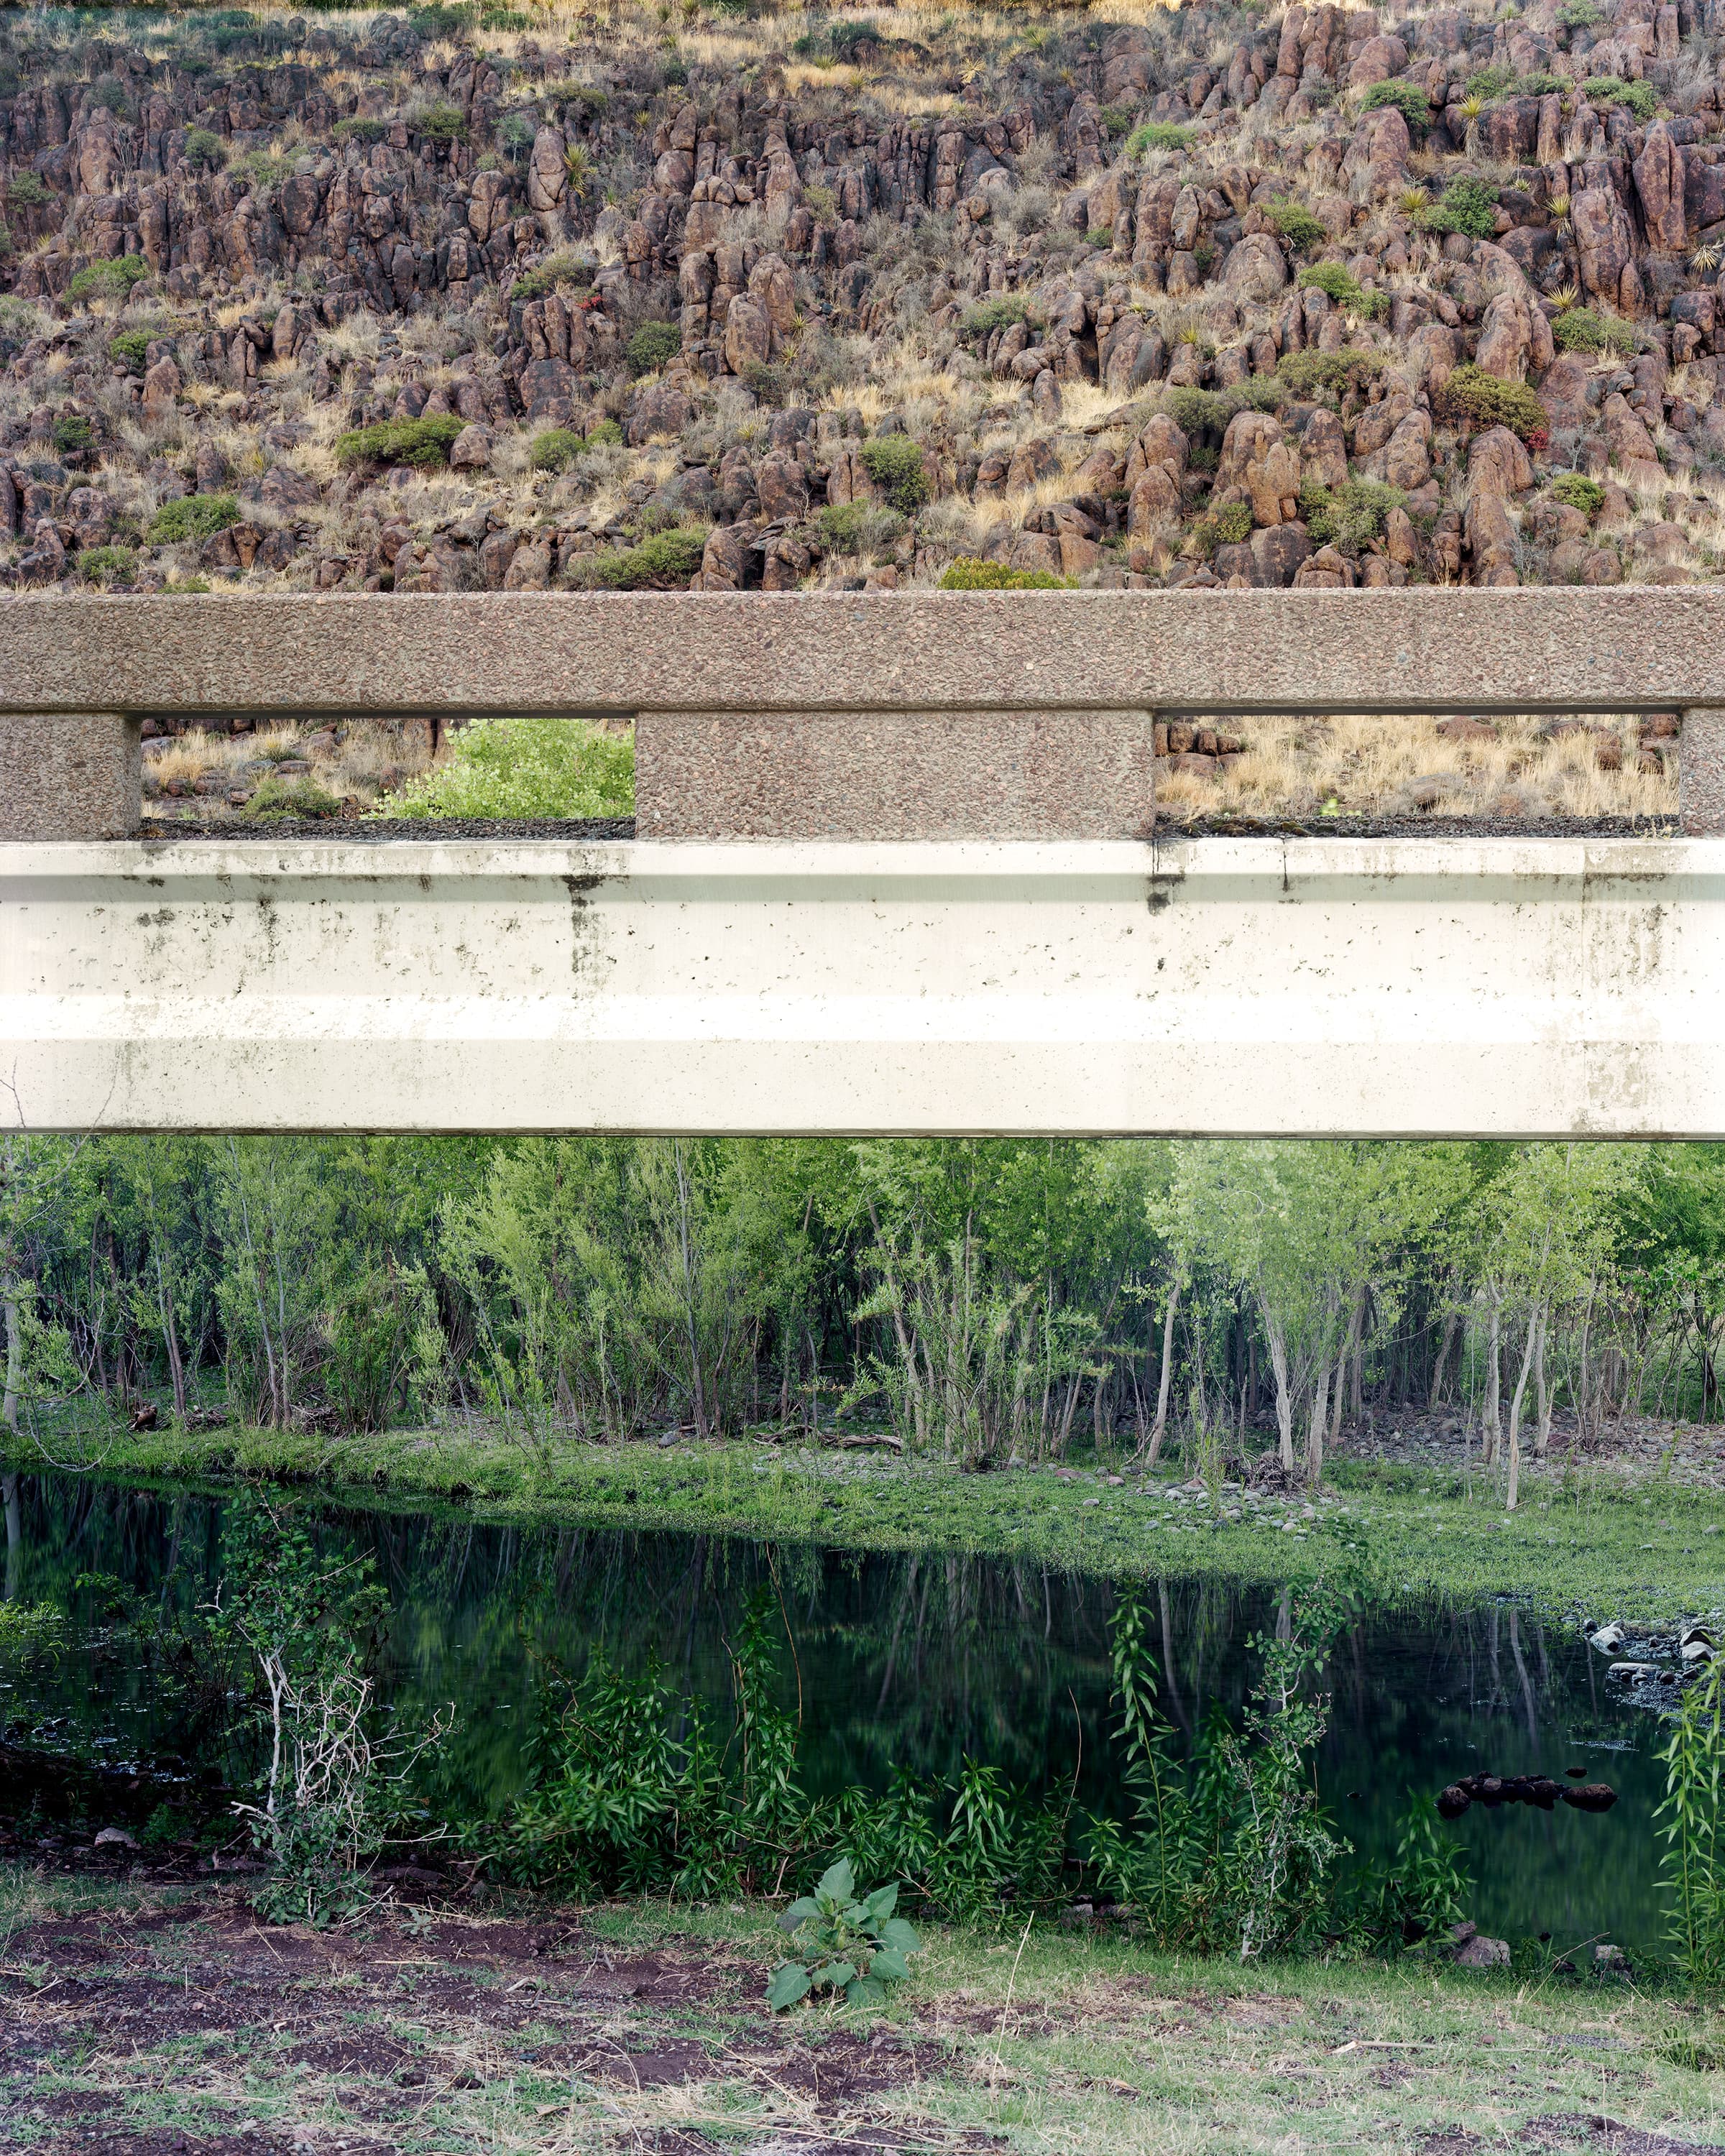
<point>515,135</point>
<point>1349,516</point>
<point>439,20</point>
<point>27,191</point>
<point>1308,372</point>
<point>108,565</point>
<point>1344,289</point>
<point>526,767</point>
<point>1292,221</point>
<point>1116,119</point>
<point>843,1943</point>
<point>1580,492</point>
<point>1159,134</point>
<point>423,442</point>
<point>967,574</point>
<point>1469,206</point>
<point>979,323</point>
<point>859,527</point>
<point>109,280</point>
<point>605,435</point>
<point>1491,83</point>
<point>1541,84</point>
<point>293,797</point>
<point>1196,412</point>
<point>1580,14</point>
<point>556,269</point>
<point>73,434</point>
<point>439,122</point>
<point>206,148</point>
<point>1230,525</point>
<point>1403,97</point>
<point>556,449</point>
<point>894,464</point>
<point>129,348</point>
<point>1579,328</point>
<point>1478,399</point>
<point>193,517</point>
<point>663,563</point>
<point>653,346</point>
<point>1640,98</point>
<point>361,131</point>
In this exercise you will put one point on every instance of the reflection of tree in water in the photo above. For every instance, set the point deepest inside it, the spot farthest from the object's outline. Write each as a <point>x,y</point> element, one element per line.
<point>915,1661</point>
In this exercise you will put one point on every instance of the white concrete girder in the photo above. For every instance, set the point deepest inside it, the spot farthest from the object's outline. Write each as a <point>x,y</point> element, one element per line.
<point>1502,987</point>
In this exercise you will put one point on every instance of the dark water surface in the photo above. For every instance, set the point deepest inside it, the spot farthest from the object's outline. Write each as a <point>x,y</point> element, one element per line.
<point>918,1662</point>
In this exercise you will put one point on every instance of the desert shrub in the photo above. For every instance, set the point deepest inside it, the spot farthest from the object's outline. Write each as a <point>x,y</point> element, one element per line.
<point>1196,412</point>
<point>1469,206</point>
<point>73,433</point>
<point>604,434</point>
<point>1159,134</point>
<point>1579,328</point>
<point>1580,14</point>
<point>1116,119</point>
<point>1349,516</point>
<point>193,517</point>
<point>129,348</point>
<point>1403,97</point>
<point>546,276</point>
<point>556,449</point>
<point>423,443</point>
<point>1230,525</point>
<point>966,574</point>
<point>894,464</point>
<point>1580,492</point>
<point>1640,98</point>
<point>770,385</point>
<point>27,191</point>
<point>515,135</point>
<point>1307,373</point>
<point>859,527</point>
<point>206,148</point>
<point>1344,289</point>
<point>1541,83</point>
<point>109,280</point>
<point>107,565</point>
<point>653,346</point>
<point>439,122</point>
<point>293,797</point>
<point>441,20</point>
<point>1292,221</point>
<point>526,767</point>
<point>1475,398</point>
<point>361,131</point>
<point>979,323</point>
<point>663,563</point>
<point>1490,82</point>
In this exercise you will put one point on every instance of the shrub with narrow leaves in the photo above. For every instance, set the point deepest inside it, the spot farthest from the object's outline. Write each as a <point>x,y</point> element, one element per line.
<point>843,1943</point>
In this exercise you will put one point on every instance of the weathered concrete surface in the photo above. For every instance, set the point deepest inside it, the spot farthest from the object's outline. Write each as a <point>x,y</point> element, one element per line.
<point>1700,774</point>
<point>895,775</point>
<point>1507,987</point>
<point>70,775</point>
<point>1641,648</point>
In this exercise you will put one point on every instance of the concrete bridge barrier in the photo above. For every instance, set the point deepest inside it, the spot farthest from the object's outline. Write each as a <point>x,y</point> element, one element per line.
<point>897,869</point>
<point>833,714</point>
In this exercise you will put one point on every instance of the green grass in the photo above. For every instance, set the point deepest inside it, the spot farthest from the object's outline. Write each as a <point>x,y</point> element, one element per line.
<point>461,2036</point>
<point>1580,1543</point>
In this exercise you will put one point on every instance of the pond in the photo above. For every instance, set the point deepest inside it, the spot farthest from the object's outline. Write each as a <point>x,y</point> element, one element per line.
<point>891,1661</point>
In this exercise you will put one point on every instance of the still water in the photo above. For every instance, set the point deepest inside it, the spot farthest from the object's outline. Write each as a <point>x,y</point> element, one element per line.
<point>890,1660</point>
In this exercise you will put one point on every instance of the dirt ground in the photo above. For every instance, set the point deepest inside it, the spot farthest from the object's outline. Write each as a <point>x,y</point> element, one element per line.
<point>137,2021</point>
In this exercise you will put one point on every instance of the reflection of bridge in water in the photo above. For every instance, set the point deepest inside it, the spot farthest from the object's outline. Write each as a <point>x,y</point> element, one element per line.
<point>897,869</point>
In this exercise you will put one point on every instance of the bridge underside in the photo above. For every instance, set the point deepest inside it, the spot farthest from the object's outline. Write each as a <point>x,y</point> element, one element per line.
<point>1304,987</point>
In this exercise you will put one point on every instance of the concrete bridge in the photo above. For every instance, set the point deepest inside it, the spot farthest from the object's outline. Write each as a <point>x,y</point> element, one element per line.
<point>898,869</point>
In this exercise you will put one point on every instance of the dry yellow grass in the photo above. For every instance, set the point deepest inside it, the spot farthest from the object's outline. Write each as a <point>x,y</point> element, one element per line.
<point>1355,765</point>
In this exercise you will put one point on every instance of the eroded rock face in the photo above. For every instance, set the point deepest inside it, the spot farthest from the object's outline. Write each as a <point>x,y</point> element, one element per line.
<point>717,292</point>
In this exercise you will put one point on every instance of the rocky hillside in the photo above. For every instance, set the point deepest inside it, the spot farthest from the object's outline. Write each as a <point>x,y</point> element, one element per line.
<point>730,299</point>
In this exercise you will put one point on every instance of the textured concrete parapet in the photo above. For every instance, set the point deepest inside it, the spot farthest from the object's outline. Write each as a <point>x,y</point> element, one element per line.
<point>1700,774</point>
<point>1500,988</point>
<point>888,775</point>
<point>71,775</point>
<point>1641,648</point>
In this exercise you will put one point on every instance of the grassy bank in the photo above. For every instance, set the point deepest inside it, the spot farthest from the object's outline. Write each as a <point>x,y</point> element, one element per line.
<point>132,2014</point>
<point>1583,1540</point>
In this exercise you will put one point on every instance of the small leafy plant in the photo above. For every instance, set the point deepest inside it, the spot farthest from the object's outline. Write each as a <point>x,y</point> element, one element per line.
<point>854,1946</point>
<point>1405,98</point>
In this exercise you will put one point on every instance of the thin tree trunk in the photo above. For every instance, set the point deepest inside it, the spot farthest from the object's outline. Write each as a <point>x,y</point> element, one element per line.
<point>1452,1326</point>
<point>1494,1388</point>
<point>1513,1492</point>
<point>14,1534</point>
<point>1284,1398</point>
<point>1159,1427</point>
<point>1542,1386</point>
<point>1315,1428</point>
